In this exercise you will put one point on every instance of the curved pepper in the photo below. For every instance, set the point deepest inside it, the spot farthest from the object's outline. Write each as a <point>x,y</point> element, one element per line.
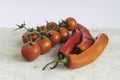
<point>71,43</point>
<point>86,41</point>
<point>89,55</point>
<point>86,57</point>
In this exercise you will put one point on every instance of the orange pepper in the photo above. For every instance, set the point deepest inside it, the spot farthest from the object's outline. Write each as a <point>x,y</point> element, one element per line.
<point>86,57</point>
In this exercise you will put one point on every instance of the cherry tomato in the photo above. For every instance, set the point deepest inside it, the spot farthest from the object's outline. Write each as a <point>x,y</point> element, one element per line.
<point>44,28</point>
<point>27,36</point>
<point>54,37</point>
<point>52,24</point>
<point>30,51</point>
<point>64,34</point>
<point>45,45</point>
<point>71,23</point>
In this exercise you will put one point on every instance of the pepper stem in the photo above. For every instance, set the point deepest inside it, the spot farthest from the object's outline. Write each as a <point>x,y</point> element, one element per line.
<point>54,65</point>
<point>65,61</point>
<point>55,61</point>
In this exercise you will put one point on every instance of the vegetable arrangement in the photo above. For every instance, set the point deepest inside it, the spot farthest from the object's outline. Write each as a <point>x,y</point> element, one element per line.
<point>79,49</point>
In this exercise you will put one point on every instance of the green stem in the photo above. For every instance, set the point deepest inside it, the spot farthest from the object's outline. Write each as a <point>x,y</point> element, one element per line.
<point>16,29</point>
<point>31,41</point>
<point>54,65</point>
<point>42,37</point>
<point>57,29</point>
<point>51,63</point>
<point>48,25</point>
<point>65,61</point>
<point>64,23</point>
<point>59,23</point>
<point>38,29</point>
<point>22,26</point>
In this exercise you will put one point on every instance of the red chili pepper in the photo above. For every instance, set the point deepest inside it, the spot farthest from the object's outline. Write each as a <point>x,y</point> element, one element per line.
<point>86,57</point>
<point>86,41</point>
<point>85,31</point>
<point>70,44</point>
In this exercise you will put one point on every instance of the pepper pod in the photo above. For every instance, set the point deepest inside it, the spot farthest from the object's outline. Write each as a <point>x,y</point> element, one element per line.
<point>88,56</point>
<point>86,41</point>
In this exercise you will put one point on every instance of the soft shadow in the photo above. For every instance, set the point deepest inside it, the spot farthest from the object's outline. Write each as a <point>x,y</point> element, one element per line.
<point>18,57</point>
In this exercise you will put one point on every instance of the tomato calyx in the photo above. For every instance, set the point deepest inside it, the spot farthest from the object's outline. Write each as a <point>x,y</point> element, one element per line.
<point>49,35</point>
<point>63,23</point>
<point>31,42</point>
<point>51,25</point>
<point>31,37</point>
<point>69,23</point>
<point>42,37</point>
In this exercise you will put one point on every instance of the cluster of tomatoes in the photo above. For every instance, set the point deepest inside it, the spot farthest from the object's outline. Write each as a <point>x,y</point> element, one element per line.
<point>38,41</point>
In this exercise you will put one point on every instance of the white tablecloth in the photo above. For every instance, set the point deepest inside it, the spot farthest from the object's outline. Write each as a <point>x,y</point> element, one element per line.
<point>14,67</point>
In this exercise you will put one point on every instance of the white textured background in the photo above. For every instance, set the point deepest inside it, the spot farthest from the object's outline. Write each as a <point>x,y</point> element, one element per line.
<point>92,13</point>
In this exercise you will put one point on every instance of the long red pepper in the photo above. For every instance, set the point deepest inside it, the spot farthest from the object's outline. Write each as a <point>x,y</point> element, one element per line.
<point>86,41</point>
<point>85,31</point>
<point>86,57</point>
<point>71,43</point>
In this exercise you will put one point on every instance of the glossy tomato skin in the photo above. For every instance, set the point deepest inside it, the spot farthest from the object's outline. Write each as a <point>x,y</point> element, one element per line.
<point>30,52</point>
<point>44,28</point>
<point>52,24</point>
<point>54,36</point>
<point>27,35</point>
<point>64,34</point>
<point>45,45</point>
<point>71,23</point>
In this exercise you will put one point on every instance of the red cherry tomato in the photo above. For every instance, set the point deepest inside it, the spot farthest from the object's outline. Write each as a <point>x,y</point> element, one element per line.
<point>64,34</point>
<point>54,37</point>
<point>71,23</point>
<point>45,45</point>
<point>51,24</point>
<point>44,28</point>
<point>27,36</point>
<point>30,51</point>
